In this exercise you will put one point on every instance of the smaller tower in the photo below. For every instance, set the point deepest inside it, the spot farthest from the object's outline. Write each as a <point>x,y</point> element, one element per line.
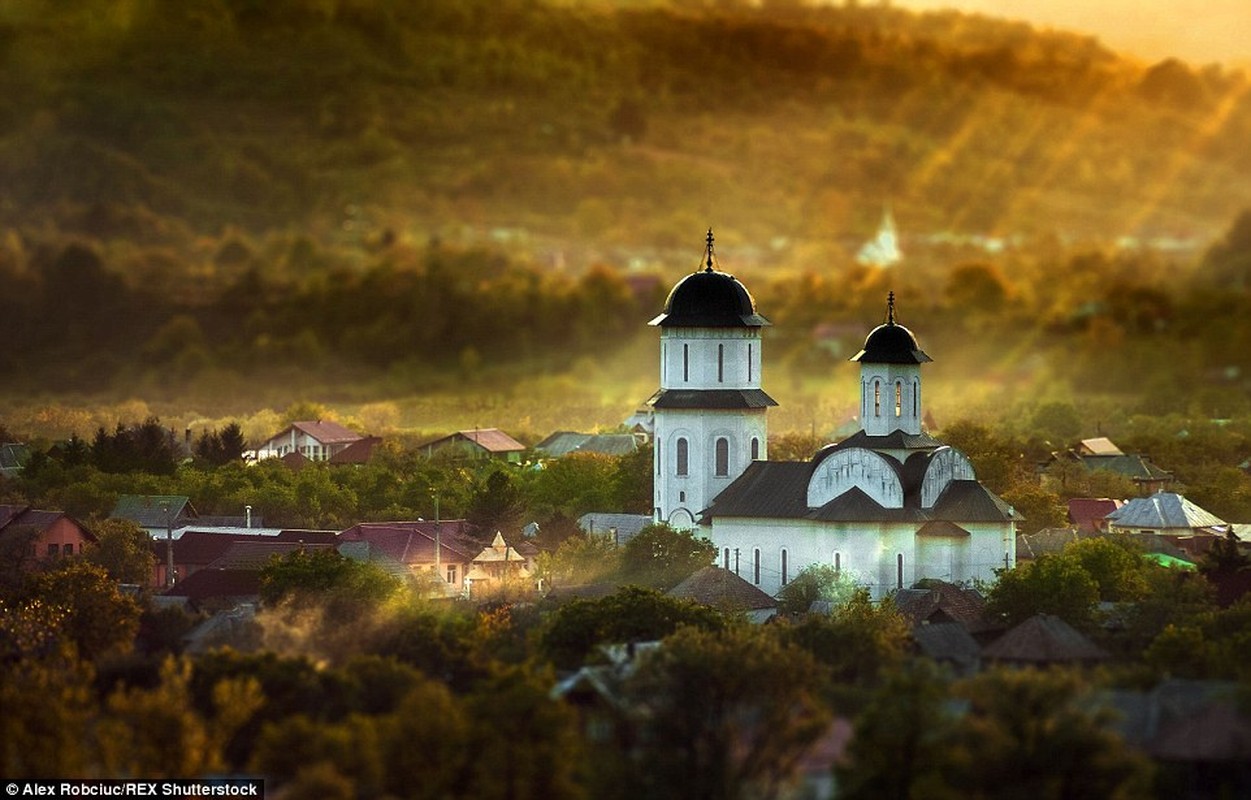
<point>890,378</point>
<point>710,409</point>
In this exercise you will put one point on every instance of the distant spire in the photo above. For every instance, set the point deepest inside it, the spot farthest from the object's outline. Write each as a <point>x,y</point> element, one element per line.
<point>890,309</point>
<point>708,252</point>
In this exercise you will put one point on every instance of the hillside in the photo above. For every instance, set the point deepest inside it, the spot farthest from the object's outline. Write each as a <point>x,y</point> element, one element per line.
<point>589,125</point>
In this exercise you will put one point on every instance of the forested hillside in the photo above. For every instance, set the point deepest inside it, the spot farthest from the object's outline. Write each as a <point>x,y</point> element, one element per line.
<point>237,199</point>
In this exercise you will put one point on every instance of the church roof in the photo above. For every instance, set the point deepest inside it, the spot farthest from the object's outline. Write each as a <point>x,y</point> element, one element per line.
<point>710,299</point>
<point>891,343</point>
<point>779,490</point>
<point>895,440</point>
<point>711,398</point>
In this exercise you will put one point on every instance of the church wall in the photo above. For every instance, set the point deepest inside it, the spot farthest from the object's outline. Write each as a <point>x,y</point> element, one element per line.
<point>867,552</point>
<point>690,358</point>
<point>693,492</point>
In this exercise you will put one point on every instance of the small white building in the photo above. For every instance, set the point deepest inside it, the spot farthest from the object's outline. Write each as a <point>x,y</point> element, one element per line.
<point>885,507</point>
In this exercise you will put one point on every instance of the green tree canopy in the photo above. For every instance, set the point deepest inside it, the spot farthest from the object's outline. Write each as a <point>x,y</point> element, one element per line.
<point>661,556</point>
<point>124,549</point>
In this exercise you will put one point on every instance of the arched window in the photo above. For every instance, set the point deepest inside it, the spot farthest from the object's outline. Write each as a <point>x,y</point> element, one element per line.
<point>755,448</point>
<point>899,571</point>
<point>785,574</point>
<point>686,362</point>
<point>898,399</point>
<point>838,565</point>
<point>659,461</point>
<point>877,398</point>
<point>720,363</point>
<point>749,363</point>
<point>755,566</point>
<point>683,455</point>
<point>723,457</point>
<point>916,392</point>
<point>725,560</point>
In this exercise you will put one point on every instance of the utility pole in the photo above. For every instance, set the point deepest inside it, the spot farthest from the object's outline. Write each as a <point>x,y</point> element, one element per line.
<point>438,544</point>
<point>169,544</point>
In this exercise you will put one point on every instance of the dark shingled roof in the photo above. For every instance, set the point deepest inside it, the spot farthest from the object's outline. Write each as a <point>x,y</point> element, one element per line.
<point>217,583</point>
<point>710,299</point>
<point>723,590</point>
<point>711,398</point>
<point>779,489</point>
<point>1043,639</point>
<point>895,440</point>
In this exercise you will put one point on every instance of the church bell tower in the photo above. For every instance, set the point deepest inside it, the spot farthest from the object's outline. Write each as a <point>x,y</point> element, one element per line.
<point>709,413</point>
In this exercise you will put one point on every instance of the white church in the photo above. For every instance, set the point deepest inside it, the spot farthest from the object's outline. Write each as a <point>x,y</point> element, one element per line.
<point>886,507</point>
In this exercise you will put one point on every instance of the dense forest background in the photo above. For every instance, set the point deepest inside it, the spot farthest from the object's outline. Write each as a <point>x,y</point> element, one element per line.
<point>446,214</point>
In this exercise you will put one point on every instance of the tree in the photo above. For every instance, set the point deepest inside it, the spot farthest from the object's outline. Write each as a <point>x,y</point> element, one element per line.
<point>99,619</point>
<point>124,549</point>
<point>1029,733</point>
<point>496,503</point>
<point>341,584</point>
<point>218,448</point>
<point>581,559</point>
<point>631,615</point>
<point>814,582</point>
<point>1116,565</point>
<point>857,642</point>
<point>1051,585</point>
<point>729,713</point>
<point>902,747</point>
<point>661,556</point>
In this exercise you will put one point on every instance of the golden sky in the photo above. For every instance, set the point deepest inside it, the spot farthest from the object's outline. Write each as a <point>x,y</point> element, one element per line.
<point>1199,32</point>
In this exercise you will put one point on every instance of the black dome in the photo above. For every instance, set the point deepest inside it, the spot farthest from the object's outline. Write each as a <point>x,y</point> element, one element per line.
<point>891,344</point>
<point>710,299</point>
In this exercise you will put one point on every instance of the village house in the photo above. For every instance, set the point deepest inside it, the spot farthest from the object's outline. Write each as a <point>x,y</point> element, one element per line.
<point>478,443</point>
<point>315,440</point>
<point>29,535</point>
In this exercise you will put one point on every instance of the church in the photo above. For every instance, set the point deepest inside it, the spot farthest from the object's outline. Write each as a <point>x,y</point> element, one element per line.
<point>886,507</point>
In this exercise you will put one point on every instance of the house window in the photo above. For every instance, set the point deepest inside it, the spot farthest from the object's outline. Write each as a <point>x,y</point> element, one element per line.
<point>451,574</point>
<point>755,448</point>
<point>877,398</point>
<point>725,559</point>
<point>686,362</point>
<point>683,457</point>
<point>67,549</point>
<point>899,571</point>
<point>898,399</point>
<point>720,363</point>
<point>755,566</point>
<point>53,550</point>
<point>723,457</point>
<point>785,573</point>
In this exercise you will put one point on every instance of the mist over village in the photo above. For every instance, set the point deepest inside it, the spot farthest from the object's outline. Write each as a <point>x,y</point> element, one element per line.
<point>775,400</point>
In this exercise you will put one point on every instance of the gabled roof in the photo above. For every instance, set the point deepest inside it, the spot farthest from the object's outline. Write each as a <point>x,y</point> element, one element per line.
<point>895,440</point>
<point>1086,512</point>
<point>779,489</point>
<point>949,642</point>
<point>499,551</point>
<point>13,457</point>
<point>358,452</point>
<point>564,442</point>
<point>153,510</point>
<point>493,440</point>
<point>1162,510</point>
<point>414,542</point>
<point>1135,467</point>
<point>1043,639</point>
<point>723,590</point>
<point>13,516</point>
<point>561,443</point>
<point>323,431</point>
<point>939,601</point>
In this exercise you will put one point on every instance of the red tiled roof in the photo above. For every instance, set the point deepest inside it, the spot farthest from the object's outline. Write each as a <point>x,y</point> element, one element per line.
<point>37,518</point>
<point>1086,512</point>
<point>327,432</point>
<point>413,542</point>
<point>358,452</point>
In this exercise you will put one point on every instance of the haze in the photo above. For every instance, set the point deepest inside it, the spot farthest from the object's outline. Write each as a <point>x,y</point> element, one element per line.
<point>1152,29</point>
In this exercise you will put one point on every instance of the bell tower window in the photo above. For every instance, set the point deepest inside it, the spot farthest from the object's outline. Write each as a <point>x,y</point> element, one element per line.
<point>686,362</point>
<point>683,457</point>
<point>877,398</point>
<point>722,457</point>
<point>898,399</point>
<point>720,363</point>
